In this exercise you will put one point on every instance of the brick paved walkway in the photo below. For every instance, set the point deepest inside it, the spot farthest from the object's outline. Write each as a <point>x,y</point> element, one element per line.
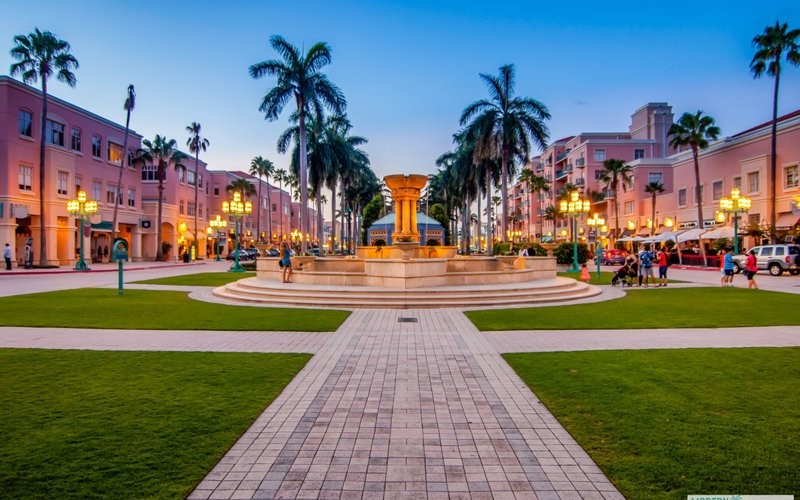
<point>406,410</point>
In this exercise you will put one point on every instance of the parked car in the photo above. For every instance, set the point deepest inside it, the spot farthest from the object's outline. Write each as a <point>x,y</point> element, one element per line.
<point>253,253</point>
<point>774,258</point>
<point>243,255</point>
<point>612,257</point>
<point>273,252</point>
<point>314,252</point>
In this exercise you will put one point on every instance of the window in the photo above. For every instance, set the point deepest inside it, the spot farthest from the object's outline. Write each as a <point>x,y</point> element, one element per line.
<point>62,180</point>
<point>113,193</point>
<point>264,204</point>
<point>753,182</point>
<point>216,189</point>
<point>75,144</point>
<point>200,210</point>
<point>180,208</point>
<point>717,190</point>
<point>25,123</point>
<point>274,208</point>
<point>77,184</point>
<point>181,175</point>
<point>682,197</point>
<point>598,174</point>
<point>638,154</point>
<point>131,197</point>
<point>190,208</point>
<point>702,194</point>
<point>629,184</point>
<point>778,251</point>
<point>55,133</point>
<point>149,173</point>
<point>97,150</point>
<point>766,252</point>
<point>97,187</point>
<point>791,175</point>
<point>190,178</point>
<point>628,207</point>
<point>114,154</point>
<point>199,180</point>
<point>599,155</point>
<point>657,177</point>
<point>737,183</point>
<point>131,156</point>
<point>25,178</point>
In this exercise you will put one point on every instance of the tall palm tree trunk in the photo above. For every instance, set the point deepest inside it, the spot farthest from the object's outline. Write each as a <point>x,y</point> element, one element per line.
<point>320,219</point>
<point>196,206</point>
<point>280,208</point>
<point>333,215</point>
<point>159,252</point>
<point>504,179</point>
<point>773,166</point>
<point>489,232</point>
<point>269,213</point>
<point>653,216</point>
<point>616,212</point>
<point>303,174</point>
<point>699,197</point>
<point>42,183</point>
<point>119,178</point>
<point>342,215</point>
<point>258,214</point>
<point>478,236</point>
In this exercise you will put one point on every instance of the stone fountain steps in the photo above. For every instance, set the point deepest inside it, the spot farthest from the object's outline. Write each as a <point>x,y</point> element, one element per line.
<point>253,290</point>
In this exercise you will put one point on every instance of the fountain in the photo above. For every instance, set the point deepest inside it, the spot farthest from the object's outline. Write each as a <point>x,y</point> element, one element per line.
<point>406,274</point>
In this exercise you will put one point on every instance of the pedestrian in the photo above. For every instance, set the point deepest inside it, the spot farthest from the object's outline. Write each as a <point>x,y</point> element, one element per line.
<point>286,262</point>
<point>646,266</point>
<point>750,269</point>
<point>663,263</point>
<point>633,265</point>
<point>7,256</point>
<point>28,256</point>
<point>727,267</point>
<point>723,280</point>
<point>585,276</point>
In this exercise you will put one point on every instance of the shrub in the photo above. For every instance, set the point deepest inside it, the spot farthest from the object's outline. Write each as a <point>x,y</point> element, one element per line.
<point>564,251</point>
<point>537,250</point>
<point>501,248</point>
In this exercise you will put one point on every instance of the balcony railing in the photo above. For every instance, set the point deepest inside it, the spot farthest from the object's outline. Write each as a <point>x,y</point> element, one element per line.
<point>609,193</point>
<point>561,156</point>
<point>580,182</point>
<point>539,167</point>
<point>568,168</point>
<point>580,162</point>
<point>560,174</point>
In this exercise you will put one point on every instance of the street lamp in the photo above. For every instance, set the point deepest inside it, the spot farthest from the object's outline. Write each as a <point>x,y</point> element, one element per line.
<point>218,224</point>
<point>574,208</point>
<point>82,210</point>
<point>237,210</point>
<point>735,205</point>
<point>597,223</point>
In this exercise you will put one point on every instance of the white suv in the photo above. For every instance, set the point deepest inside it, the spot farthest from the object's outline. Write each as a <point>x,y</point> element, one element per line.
<point>774,258</point>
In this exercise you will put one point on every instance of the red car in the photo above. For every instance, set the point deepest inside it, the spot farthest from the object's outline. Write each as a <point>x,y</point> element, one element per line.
<point>613,257</point>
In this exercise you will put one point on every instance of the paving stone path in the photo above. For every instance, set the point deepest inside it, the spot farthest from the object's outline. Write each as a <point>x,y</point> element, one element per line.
<point>390,409</point>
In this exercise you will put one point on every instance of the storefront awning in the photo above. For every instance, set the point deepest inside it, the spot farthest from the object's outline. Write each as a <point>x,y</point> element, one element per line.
<point>787,221</point>
<point>103,227</point>
<point>719,233</point>
<point>692,234</point>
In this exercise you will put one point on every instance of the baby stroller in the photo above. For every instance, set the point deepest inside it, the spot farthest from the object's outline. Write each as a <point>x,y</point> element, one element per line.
<point>624,276</point>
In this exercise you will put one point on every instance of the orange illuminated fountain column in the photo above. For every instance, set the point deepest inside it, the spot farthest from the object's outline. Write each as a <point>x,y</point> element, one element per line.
<point>405,193</point>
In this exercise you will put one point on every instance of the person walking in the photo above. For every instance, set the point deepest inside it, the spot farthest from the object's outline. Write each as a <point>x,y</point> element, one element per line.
<point>7,256</point>
<point>663,263</point>
<point>727,268</point>
<point>750,269</point>
<point>646,267</point>
<point>28,256</point>
<point>286,262</point>
<point>723,279</point>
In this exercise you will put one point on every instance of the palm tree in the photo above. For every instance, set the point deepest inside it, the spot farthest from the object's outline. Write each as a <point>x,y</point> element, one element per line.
<point>654,188</point>
<point>695,130</point>
<point>770,49</point>
<point>616,171</point>
<point>39,55</point>
<point>246,189</point>
<point>130,103</point>
<point>162,152</point>
<point>280,176</point>
<point>505,127</point>
<point>539,184</point>
<point>261,167</point>
<point>196,143</point>
<point>299,77</point>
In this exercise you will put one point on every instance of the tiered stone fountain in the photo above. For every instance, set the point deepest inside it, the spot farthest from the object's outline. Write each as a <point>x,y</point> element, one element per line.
<point>407,275</point>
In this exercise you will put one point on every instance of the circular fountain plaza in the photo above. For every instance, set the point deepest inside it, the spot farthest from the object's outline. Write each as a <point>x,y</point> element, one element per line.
<point>406,274</point>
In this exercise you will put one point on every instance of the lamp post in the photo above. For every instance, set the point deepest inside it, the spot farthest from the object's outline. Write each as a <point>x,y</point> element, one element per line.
<point>237,210</point>
<point>82,209</point>
<point>735,205</point>
<point>574,208</point>
<point>219,225</point>
<point>597,223</point>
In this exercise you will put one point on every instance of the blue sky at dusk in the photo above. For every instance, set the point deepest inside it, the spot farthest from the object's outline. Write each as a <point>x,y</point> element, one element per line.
<point>409,68</point>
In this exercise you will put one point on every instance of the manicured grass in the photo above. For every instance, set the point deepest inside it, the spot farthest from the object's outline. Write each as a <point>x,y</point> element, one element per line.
<point>663,424</point>
<point>88,424</point>
<point>156,310</point>
<point>200,279</point>
<point>605,277</point>
<point>707,307</point>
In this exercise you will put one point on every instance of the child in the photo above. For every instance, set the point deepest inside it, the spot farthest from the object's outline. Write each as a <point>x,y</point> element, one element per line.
<point>585,277</point>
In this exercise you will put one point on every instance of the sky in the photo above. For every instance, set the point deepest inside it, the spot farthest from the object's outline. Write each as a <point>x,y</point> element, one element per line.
<point>408,68</point>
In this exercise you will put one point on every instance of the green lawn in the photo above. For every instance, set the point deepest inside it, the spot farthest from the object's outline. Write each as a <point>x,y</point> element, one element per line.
<point>706,307</point>
<point>663,424</point>
<point>200,279</point>
<point>605,277</point>
<point>88,424</point>
<point>157,310</point>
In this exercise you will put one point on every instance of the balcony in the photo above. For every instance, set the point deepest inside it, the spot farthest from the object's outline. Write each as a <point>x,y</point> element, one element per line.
<point>609,193</point>
<point>539,167</point>
<point>580,182</point>
<point>568,168</point>
<point>560,174</point>
<point>561,156</point>
<point>580,162</point>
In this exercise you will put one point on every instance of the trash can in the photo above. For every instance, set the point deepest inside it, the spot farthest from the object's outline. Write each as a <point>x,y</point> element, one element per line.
<point>187,258</point>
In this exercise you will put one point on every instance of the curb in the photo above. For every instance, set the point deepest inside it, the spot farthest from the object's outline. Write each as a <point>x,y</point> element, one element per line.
<point>92,271</point>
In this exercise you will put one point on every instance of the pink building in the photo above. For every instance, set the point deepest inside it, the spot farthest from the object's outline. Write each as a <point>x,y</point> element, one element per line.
<point>83,152</point>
